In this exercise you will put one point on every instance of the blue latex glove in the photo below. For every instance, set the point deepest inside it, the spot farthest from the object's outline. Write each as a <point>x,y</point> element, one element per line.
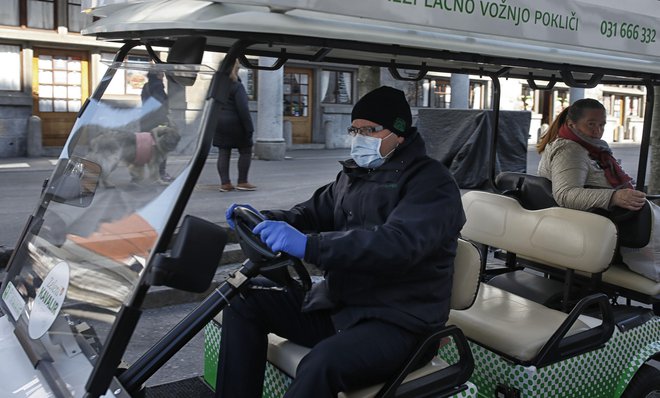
<point>282,237</point>
<point>230,212</point>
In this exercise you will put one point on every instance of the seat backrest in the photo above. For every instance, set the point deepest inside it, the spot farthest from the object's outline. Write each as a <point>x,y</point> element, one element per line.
<point>467,270</point>
<point>533,192</point>
<point>558,237</point>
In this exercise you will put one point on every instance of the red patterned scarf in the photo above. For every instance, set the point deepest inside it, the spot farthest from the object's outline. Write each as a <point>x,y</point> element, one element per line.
<point>602,154</point>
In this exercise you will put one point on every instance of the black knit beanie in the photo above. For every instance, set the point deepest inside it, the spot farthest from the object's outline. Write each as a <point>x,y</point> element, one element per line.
<point>386,106</point>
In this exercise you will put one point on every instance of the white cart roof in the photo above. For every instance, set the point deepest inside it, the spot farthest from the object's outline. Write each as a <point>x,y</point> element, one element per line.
<point>545,38</point>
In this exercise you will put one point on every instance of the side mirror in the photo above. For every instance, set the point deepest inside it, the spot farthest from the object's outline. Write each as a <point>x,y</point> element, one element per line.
<point>75,182</point>
<point>191,263</point>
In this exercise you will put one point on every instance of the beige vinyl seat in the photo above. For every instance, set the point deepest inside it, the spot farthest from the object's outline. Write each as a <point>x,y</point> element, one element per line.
<point>518,328</point>
<point>467,267</point>
<point>534,192</point>
<point>621,276</point>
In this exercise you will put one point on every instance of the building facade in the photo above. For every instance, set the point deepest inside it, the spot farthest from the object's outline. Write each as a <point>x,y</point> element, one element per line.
<point>49,70</point>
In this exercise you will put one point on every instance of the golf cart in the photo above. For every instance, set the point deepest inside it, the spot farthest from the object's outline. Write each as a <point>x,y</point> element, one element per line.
<point>90,252</point>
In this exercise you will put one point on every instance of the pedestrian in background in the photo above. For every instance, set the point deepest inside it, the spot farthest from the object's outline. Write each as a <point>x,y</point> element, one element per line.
<point>235,131</point>
<point>154,89</point>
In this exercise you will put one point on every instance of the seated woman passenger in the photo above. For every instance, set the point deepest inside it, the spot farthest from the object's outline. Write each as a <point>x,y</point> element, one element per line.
<point>580,164</point>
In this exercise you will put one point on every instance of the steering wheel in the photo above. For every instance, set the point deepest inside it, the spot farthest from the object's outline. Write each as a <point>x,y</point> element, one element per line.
<point>279,267</point>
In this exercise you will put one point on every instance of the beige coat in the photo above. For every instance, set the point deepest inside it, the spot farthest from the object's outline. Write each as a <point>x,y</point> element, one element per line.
<point>568,166</point>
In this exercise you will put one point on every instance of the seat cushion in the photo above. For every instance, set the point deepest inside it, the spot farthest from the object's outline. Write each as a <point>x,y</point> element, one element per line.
<point>620,275</point>
<point>510,324</point>
<point>286,355</point>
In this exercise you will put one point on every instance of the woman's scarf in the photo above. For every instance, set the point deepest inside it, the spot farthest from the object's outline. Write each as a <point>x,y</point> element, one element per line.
<point>602,154</point>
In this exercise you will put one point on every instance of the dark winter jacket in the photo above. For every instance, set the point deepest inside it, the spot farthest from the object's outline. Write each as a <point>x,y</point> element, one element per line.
<point>153,94</point>
<point>235,125</point>
<point>386,239</point>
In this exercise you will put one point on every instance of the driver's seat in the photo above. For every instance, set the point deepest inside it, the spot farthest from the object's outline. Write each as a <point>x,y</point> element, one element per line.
<point>437,376</point>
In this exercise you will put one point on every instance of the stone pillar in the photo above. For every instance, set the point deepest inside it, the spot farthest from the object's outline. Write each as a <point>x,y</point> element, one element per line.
<point>575,94</point>
<point>460,91</point>
<point>34,139</point>
<point>269,138</point>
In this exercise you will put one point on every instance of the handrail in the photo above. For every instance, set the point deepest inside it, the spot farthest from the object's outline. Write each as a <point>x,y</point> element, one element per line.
<point>445,379</point>
<point>559,346</point>
<point>570,81</point>
<point>394,71</point>
<point>279,62</point>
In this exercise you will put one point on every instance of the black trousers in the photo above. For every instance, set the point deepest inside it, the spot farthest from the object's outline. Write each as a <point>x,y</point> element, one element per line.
<point>244,160</point>
<point>365,354</point>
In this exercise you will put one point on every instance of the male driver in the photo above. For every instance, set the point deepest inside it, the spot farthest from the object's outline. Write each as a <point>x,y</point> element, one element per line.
<point>385,235</point>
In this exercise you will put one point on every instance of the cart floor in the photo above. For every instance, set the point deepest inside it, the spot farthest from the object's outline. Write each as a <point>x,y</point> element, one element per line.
<point>193,387</point>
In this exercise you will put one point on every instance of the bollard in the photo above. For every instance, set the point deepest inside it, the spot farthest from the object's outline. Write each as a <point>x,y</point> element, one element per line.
<point>34,141</point>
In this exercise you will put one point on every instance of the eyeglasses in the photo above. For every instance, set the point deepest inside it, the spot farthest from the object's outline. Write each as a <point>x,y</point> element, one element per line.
<point>368,130</point>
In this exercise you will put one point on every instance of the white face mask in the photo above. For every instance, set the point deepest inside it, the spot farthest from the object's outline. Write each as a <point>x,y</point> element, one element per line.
<point>365,151</point>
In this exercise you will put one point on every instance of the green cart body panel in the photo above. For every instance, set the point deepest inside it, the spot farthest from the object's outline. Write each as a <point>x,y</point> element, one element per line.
<point>604,372</point>
<point>276,382</point>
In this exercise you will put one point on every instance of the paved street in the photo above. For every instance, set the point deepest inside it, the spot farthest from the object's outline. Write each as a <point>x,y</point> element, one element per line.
<point>281,184</point>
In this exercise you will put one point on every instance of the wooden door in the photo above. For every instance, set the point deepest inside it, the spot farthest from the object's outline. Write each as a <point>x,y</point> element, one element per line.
<point>60,85</point>
<point>298,103</point>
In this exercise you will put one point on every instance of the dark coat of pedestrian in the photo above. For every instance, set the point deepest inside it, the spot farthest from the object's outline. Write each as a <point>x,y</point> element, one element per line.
<point>154,89</point>
<point>235,130</point>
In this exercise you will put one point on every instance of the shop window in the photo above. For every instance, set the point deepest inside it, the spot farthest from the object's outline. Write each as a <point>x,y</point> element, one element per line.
<point>635,107</point>
<point>336,87</point>
<point>249,80</point>
<point>128,81</point>
<point>10,59</point>
<point>527,98</point>
<point>433,93</point>
<point>76,20</point>
<point>296,94</point>
<point>620,105</point>
<point>9,13</point>
<point>60,82</point>
<point>560,101</point>
<point>477,94</point>
<point>41,14</point>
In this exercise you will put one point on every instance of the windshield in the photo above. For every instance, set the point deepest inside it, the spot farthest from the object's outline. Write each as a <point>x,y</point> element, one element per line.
<point>102,212</point>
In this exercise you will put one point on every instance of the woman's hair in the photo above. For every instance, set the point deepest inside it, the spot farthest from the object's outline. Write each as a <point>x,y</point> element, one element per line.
<point>574,113</point>
<point>234,71</point>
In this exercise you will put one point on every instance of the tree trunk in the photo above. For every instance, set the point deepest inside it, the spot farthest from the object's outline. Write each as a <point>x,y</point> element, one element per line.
<point>654,177</point>
<point>368,79</point>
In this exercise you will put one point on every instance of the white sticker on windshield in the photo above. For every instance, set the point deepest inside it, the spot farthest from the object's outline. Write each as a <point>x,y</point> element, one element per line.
<point>48,302</point>
<point>14,300</point>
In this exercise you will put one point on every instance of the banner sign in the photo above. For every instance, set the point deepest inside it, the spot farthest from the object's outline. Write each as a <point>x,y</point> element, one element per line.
<point>609,25</point>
